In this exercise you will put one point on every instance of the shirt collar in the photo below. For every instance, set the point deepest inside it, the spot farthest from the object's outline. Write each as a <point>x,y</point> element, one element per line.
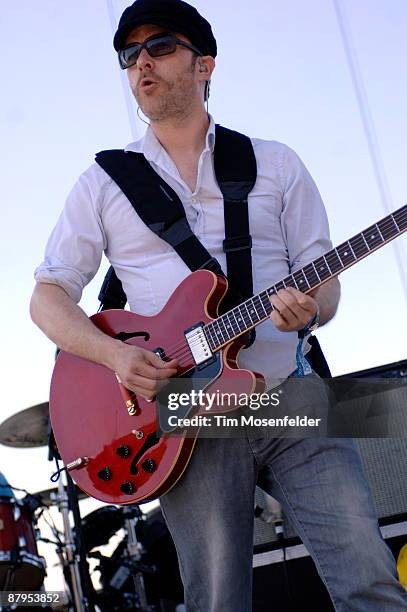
<point>153,150</point>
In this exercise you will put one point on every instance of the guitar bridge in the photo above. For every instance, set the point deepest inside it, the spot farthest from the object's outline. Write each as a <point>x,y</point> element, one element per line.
<point>198,344</point>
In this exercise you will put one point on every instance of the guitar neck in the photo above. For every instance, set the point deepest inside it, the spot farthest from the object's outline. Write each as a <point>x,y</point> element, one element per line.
<point>255,310</point>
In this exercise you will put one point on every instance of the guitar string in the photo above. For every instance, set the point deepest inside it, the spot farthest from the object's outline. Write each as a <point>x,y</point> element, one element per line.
<point>181,350</point>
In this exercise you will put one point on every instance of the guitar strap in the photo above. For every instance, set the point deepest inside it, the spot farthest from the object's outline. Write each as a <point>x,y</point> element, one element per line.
<point>162,211</point>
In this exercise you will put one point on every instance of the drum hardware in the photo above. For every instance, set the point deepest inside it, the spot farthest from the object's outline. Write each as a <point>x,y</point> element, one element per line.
<point>97,529</point>
<point>69,557</point>
<point>47,497</point>
<point>154,558</point>
<point>134,551</point>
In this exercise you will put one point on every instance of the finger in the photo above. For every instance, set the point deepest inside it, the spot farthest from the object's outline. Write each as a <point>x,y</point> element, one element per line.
<point>305,301</point>
<point>300,305</point>
<point>153,373</point>
<point>284,310</point>
<point>159,363</point>
<point>144,387</point>
<point>278,321</point>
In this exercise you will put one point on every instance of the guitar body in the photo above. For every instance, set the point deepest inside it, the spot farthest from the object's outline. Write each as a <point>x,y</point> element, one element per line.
<point>123,460</point>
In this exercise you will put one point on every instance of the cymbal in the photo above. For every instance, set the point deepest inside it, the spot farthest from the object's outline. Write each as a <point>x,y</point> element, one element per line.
<point>26,429</point>
<point>45,495</point>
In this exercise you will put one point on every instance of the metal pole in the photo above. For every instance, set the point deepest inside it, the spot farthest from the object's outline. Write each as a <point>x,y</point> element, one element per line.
<point>368,126</point>
<point>71,557</point>
<point>130,104</point>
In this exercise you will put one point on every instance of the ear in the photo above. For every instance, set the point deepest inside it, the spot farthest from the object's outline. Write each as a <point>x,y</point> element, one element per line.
<point>205,67</point>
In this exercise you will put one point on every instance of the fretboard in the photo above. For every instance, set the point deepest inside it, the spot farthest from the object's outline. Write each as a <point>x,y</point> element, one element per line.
<point>258,308</point>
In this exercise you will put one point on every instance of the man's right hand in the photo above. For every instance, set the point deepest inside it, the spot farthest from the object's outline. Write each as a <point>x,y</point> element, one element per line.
<point>142,371</point>
<point>139,370</point>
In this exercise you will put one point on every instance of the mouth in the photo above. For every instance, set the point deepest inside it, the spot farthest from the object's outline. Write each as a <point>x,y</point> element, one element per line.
<point>147,84</point>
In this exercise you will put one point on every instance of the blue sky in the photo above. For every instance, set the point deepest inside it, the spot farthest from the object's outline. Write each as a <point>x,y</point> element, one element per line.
<point>281,74</point>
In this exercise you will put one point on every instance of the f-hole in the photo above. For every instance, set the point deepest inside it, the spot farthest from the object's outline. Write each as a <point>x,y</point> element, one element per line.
<point>127,335</point>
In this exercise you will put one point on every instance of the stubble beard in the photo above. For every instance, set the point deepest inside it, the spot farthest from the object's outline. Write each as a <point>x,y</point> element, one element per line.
<point>173,102</point>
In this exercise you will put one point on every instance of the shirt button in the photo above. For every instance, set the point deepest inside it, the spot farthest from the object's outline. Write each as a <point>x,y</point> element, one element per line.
<point>193,200</point>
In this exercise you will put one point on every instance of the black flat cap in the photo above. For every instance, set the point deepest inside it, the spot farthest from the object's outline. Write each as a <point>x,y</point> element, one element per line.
<point>174,15</point>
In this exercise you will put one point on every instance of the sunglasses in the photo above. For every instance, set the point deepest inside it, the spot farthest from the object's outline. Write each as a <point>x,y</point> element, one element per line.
<point>155,47</point>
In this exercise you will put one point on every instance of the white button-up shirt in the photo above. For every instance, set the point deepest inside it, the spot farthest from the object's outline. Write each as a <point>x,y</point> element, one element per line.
<point>288,225</point>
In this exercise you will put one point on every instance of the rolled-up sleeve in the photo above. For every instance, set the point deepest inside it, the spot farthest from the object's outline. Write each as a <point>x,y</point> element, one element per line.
<point>304,220</point>
<point>75,246</point>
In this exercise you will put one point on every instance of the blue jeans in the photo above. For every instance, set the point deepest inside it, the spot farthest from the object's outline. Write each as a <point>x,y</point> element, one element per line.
<point>323,490</point>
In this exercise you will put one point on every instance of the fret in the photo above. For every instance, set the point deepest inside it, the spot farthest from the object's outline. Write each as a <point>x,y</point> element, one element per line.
<point>240,319</point>
<point>247,310</point>
<point>353,252</point>
<point>234,316</point>
<point>215,337</point>
<point>280,285</point>
<point>345,253</point>
<point>311,275</point>
<point>316,271</point>
<point>228,325</point>
<point>381,235</point>
<point>208,335</point>
<point>359,245</point>
<point>400,217</point>
<point>394,219</point>
<point>257,307</point>
<point>289,281</point>
<point>234,323</point>
<point>388,228</point>
<point>208,332</point>
<point>253,310</point>
<point>372,237</point>
<point>301,280</point>
<point>218,332</point>
<point>261,297</point>
<point>223,328</point>
<point>322,268</point>
<point>334,262</point>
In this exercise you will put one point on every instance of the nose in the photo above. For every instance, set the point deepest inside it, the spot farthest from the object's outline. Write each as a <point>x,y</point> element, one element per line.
<point>145,60</point>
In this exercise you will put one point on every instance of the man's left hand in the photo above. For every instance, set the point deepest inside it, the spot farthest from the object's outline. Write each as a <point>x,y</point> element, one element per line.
<point>292,309</point>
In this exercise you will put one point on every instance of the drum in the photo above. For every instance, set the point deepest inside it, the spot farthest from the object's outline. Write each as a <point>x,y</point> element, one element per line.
<point>21,568</point>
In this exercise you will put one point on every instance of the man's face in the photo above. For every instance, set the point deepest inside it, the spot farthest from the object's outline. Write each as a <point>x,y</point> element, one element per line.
<point>167,86</point>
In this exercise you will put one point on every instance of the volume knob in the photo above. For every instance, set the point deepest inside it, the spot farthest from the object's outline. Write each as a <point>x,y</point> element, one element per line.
<point>148,465</point>
<point>123,451</point>
<point>105,474</point>
<point>127,487</point>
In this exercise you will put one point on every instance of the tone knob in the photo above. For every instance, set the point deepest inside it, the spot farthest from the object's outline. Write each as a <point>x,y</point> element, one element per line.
<point>105,474</point>
<point>148,465</point>
<point>123,451</point>
<point>127,487</point>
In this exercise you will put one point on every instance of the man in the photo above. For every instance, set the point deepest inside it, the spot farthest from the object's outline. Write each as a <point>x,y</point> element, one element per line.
<point>319,482</point>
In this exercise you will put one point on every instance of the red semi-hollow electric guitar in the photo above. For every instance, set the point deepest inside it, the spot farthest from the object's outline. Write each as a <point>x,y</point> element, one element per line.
<point>107,437</point>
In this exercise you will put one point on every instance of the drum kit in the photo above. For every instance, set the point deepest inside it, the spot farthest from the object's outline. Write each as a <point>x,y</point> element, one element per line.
<point>140,573</point>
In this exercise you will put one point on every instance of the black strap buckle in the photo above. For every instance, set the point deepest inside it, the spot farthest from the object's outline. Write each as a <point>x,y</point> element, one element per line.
<point>212,265</point>
<point>239,243</point>
<point>174,233</point>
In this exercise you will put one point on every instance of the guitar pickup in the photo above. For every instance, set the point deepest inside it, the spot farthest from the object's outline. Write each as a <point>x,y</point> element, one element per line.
<point>198,344</point>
